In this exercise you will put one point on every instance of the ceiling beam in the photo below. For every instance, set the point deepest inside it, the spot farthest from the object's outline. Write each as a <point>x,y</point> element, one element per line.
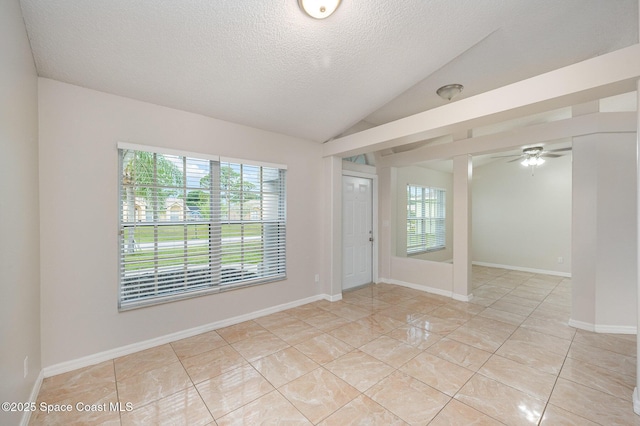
<point>609,122</point>
<point>606,75</point>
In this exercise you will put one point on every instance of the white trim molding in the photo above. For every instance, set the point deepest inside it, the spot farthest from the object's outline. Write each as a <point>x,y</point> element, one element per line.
<point>110,354</point>
<point>334,298</point>
<point>462,297</point>
<point>523,269</point>
<point>33,397</point>
<point>424,288</point>
<point>581,325</point>
<point>636,401</point>
<point>599,328</point>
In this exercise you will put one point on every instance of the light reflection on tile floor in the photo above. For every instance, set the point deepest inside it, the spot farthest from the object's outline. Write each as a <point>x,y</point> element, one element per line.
<point>383,355</point>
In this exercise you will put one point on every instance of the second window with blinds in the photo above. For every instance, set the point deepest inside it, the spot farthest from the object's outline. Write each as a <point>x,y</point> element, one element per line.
<point>193,224</point>
<point>426,210</point>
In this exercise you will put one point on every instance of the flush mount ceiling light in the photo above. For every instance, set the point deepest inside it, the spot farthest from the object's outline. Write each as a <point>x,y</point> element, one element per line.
<point>450,91</point>
<point>319,9</point>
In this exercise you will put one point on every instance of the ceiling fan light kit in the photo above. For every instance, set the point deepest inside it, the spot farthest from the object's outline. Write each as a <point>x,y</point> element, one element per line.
<point>532,161</point>
<point>532,158</point>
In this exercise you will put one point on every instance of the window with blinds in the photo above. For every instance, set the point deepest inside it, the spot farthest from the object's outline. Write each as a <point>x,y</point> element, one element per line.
<point>425,219</point>
<point>192,224</point>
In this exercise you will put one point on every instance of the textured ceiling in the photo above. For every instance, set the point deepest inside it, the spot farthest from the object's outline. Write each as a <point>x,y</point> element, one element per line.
<point>265,64</point>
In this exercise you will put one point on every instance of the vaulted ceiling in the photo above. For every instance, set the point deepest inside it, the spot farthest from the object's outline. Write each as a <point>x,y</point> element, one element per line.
<point>267,65</point>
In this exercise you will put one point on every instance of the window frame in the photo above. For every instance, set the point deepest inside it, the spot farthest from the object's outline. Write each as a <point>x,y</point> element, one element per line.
<point>212,278</point>
<point>433,221</point>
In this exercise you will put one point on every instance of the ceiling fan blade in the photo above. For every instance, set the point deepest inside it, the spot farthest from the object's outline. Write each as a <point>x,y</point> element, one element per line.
<point>505,156</point>
<point>551,155</point>
<point>515,159</point>
<point>559,149</point>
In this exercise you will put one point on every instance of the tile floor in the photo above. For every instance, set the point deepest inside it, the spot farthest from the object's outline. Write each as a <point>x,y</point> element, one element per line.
<point>384,355</point>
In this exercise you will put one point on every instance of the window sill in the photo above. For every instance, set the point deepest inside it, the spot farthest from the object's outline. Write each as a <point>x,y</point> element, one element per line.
<point>433,250</point>
<point>175,297</point>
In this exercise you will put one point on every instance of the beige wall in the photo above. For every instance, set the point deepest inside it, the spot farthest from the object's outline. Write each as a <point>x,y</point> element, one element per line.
<point>79,129</point>
<point>427,275</point>
<point>422,176</point>
<point>520,220</point>
<point>605,233</point>
<point>19,223</point>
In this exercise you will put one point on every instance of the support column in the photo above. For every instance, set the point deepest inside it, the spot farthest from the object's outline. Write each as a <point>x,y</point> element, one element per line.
<point>387,218</point>
<point>636,397</point>
<point>462,278</point>
<point>332,275</point>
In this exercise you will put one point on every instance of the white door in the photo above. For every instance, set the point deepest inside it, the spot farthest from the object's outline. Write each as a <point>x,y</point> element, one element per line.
<point>357,231</point>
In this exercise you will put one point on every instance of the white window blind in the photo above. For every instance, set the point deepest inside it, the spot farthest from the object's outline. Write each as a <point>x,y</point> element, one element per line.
<point>426,210</point>
<point>192,225</point>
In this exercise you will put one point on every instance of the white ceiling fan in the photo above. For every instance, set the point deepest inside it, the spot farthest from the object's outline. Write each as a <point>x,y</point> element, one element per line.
<point>533,156</point>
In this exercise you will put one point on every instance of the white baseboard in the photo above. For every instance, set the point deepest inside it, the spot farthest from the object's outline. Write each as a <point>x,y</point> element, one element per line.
<point>33,397</point>
<point>523,269</point>
<point>97,358</point>
<point>582,325</point>
<point>636,402</point>
<point>462,298</point>
<point>424,288</point>
<point>598,328</point>
<point>616,329</point>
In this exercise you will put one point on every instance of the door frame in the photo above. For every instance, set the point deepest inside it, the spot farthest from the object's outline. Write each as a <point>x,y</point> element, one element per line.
<point>374,221</point>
